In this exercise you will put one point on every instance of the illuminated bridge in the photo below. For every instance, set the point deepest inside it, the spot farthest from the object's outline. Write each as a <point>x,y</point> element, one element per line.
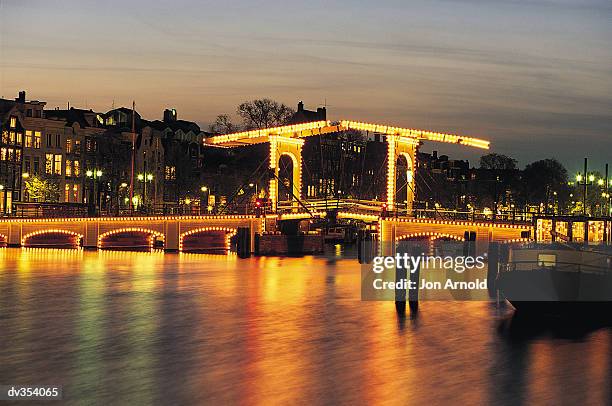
<point>173,233</point>
<point>214,232</point>
<point>402,144</point>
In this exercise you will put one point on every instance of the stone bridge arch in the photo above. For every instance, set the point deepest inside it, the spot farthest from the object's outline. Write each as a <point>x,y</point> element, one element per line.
<point>52,238</point>
<point>130,238</point>
<point>217,239</point>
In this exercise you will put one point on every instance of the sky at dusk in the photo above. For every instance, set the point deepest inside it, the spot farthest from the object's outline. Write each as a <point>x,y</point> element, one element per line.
<point>534,77</point>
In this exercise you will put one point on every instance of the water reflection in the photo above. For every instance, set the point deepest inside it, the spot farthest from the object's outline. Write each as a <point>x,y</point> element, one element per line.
<point>143,328</point>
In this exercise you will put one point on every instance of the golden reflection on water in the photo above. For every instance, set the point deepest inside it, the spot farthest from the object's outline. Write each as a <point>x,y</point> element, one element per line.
<point>149,327</point>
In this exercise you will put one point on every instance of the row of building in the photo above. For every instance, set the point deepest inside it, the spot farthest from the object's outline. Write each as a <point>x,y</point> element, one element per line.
<point>81,155</point>
<point>85,157</point>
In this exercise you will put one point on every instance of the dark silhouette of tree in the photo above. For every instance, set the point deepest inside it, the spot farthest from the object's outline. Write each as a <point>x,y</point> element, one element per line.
<point>497,162</point>
<point>542,179</point>
<point>223,125</point>
<point>263,113</point>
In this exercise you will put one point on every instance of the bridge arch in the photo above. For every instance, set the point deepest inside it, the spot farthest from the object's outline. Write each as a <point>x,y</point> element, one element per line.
<point>404,181</point>
<point>288,170</point>
<point>3,241</point>
<point>52,238</point>
<point>431,236</point>
<point>218,239</point>
<point>133,237</point>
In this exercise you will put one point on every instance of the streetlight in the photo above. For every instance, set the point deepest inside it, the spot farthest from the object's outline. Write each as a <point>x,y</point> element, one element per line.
<point>25,175</point>
<point>145,177</point>
<point>94,175</point>
<point>203,189</point>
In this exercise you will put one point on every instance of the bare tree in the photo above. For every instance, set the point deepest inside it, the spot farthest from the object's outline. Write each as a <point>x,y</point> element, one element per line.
<point>497,162</point>
<point>263,113</point>
<point>223,125</point>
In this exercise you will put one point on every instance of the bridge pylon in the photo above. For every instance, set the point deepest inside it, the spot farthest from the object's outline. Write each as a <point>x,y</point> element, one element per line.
<point>291,147</point>
<point>400,148</point>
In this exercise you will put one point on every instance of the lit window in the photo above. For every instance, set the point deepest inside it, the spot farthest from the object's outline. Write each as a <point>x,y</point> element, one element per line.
<point>19,138</point>
<point>57,168</point>
<point>3,154</point>
<point>547,260</point>
<point>37,138</point>
<point>68,167</point>
<point>13,122</point>
<point>49,164</point>
<point>28,139</point>
<point>69,146</point>
<point>170,173</point>
<point>76,168</point>
<point>5,137</point>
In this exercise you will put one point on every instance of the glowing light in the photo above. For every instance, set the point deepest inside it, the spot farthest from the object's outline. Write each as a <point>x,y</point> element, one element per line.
<point>416,134</point>
<point>591,178</point>
<point>152,234</point>
<point>262,135</point>
<point>51,231</point>
<point>229,233</point>
<point>431,236</point>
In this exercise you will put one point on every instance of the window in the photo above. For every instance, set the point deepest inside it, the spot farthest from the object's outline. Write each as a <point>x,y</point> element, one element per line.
<point>36,166</point>
<point>38,113</point>
<point>547,260</point>
<point>18,155</point>
<point>69,146</point>
<point>10,155</point>
<point>3,154</point>
<point>28,139</point>
<point>67,193</point>
<point>49,140</point>
<point>68,167</point>
<point>29,113</point>
<point>37,138</point>
<point>5,137</point>
<point>77,146</point>
<point>26,164</point>
<point>57,168</point>
<point>58,141</point>
<point>76,169</point>
<point>18,138</point>
<point>49,164</point>
<point>13,122</point>
<point>12,137</point>
<point>170,173</point>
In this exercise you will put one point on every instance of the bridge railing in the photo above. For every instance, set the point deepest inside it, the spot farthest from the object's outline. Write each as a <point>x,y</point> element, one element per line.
<point>506,217</point>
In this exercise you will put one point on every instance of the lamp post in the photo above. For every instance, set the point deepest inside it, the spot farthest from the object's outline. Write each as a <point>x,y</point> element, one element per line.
<point>145,177</point>
<point>204,189</point>
<point>94,175</point>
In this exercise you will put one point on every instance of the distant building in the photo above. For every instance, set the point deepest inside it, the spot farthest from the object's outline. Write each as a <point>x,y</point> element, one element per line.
<point>47,144</point>
<point>306,116</point>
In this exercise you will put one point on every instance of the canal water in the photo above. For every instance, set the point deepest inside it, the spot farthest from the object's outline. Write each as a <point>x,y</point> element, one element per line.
<point>151,328</point>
